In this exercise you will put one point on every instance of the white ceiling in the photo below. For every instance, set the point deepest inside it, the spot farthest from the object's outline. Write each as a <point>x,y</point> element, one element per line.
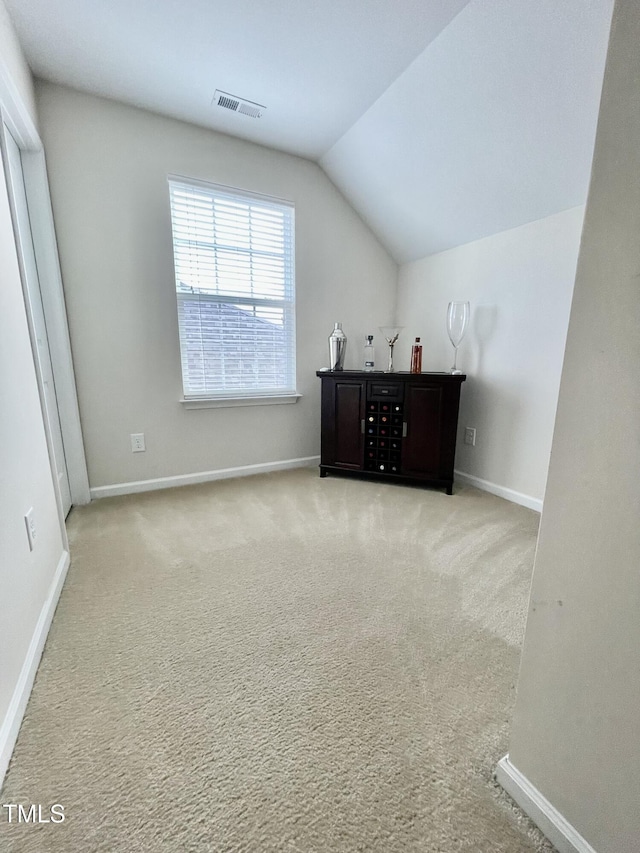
<point>492,126</point>
<point>316,66</point>
<point>441,121</point>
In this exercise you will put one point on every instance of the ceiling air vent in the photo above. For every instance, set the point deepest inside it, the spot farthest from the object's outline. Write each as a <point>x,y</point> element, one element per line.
<point>237,105</point>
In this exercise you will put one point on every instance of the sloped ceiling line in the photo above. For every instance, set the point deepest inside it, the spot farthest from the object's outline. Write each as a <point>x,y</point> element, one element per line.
<point>441,122</point>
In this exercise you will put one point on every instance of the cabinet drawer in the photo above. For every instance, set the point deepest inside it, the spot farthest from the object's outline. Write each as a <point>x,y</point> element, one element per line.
<point>386,391</point>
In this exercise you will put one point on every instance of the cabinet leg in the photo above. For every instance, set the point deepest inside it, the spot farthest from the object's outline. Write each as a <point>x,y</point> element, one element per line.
<point>323,471</point>
<point>450,489</point>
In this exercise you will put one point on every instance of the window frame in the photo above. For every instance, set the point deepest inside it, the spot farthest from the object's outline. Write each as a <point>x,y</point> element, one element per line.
<point>248,397</point>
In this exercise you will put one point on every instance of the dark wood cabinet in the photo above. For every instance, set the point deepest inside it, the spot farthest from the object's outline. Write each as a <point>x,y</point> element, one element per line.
<point>397,425</point>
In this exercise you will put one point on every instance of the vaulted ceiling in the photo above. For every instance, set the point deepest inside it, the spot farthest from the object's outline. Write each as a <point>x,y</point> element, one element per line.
<point>441,121</point>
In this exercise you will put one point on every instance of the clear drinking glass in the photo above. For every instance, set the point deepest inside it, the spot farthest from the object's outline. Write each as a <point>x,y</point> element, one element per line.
<point>391,333</point>
<point>457,321</point>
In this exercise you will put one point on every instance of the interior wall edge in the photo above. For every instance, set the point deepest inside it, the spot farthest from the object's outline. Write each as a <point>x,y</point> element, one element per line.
<point>500,491</point>
<point>564,837</point>
<point>22,691</point>
<point>137,486</point>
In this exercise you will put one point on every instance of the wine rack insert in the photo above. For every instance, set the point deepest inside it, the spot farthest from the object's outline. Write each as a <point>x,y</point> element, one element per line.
<point>384,428</point>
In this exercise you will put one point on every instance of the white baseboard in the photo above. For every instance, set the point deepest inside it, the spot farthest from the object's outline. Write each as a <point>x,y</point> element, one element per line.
<point>564,837</point>
<point>201,477</point>
<point>15,712</point>
<point>500,491</point>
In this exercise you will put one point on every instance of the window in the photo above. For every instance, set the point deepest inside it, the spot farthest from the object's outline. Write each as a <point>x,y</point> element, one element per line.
<point>234,263</point>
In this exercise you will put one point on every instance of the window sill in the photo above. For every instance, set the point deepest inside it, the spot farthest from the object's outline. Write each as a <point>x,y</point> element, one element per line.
<point>227,402</point>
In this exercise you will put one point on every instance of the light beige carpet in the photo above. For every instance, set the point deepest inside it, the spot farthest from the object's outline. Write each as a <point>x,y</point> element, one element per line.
<point>281,663</point>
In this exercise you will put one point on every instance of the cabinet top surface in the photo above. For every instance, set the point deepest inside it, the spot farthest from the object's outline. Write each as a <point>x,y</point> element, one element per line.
<point>398,375</point>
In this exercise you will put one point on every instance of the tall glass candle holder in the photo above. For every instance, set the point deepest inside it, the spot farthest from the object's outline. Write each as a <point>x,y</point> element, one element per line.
<point>457,321</point>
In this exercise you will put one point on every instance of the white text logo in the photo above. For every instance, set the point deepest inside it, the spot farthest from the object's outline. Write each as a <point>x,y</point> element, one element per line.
<point>17,813</point>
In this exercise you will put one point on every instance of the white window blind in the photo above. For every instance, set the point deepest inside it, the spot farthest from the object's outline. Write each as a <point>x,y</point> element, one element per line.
<point>234,265</point>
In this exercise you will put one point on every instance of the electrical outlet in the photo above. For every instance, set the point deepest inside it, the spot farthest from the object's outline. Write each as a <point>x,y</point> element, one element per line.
<point>470,436</point>
<point>137,442</point>
<point>30,523</point>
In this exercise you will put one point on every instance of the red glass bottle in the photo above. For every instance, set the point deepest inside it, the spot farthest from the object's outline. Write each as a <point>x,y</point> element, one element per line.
<point>416,357</point>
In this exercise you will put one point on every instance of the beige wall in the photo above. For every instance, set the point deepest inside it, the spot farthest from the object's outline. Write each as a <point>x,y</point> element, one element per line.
<point>519,284</point>
<point>108,166</point>
<point>576,730</point>
<point>26,479</point>
<point>25,474</point>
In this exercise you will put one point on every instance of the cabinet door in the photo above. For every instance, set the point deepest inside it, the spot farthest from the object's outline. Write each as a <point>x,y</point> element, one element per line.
<point>422,446</point>
<point>342,417</point>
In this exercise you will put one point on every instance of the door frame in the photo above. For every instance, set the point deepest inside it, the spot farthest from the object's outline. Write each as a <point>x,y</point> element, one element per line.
<point>32,296</point>
<point>16,116</point>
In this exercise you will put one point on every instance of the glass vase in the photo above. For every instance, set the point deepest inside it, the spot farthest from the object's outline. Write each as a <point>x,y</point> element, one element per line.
<point>458,314</point>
